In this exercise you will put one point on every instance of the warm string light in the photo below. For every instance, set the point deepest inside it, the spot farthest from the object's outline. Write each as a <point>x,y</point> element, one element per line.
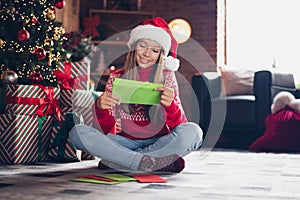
<point>3,44</point>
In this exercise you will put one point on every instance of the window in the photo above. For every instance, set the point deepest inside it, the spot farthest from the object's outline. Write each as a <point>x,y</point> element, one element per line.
<point>263,33</point>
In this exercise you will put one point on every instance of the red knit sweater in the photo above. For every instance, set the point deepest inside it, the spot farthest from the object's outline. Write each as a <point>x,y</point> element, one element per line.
<point>137,125</point>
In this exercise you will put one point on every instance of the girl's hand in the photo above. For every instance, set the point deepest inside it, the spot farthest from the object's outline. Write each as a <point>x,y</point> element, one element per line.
<point>107,101</point>
<point>118,126</point>
<point>166,97</point>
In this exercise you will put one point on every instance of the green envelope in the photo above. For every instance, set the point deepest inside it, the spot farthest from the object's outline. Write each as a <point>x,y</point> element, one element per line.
<point>136,92</point>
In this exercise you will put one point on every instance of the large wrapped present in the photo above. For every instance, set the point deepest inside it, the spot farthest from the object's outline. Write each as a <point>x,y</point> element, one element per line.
<point>79,101</point>
<point>32,100</point>
<point>61,149</point>
<point>24,138</point>
<point>73,75</point>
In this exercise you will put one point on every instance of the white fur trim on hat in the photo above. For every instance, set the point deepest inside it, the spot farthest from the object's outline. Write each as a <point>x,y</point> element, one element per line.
<point>153,33</point>
<point>171,63</point>
<point>285,99</point>
<point>295,105</point>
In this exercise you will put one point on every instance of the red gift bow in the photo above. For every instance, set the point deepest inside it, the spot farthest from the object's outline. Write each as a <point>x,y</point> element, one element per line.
<point>66,80</point>
<point>47,106</point>
<point>90,26</point>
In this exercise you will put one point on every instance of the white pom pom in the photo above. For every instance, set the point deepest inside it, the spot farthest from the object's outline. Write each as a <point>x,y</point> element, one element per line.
<point>171,63</point>
<point>281,100</point>
<point>295,105</point>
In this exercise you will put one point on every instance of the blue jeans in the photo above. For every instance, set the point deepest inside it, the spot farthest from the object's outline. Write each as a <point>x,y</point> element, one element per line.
<point>128,153</point>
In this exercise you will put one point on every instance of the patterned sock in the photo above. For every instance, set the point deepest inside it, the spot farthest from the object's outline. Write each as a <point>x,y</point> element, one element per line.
<point>176,167</point>
<point>149,163</point>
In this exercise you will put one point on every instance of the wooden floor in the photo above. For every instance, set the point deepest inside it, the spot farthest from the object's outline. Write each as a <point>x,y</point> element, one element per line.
<point>219,174</point>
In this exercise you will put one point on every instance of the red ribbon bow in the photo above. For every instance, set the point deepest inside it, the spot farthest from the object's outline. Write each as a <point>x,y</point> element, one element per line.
<point>90,26</point>
<point>47,106</point>
<point>65,80</point>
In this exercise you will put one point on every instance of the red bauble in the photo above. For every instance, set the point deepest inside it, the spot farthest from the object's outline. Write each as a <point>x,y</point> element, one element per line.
<point>34,20</point>
<point>40,53</point>
<point>23,35</point>
<point>36,77</point>
<point>59,4</point>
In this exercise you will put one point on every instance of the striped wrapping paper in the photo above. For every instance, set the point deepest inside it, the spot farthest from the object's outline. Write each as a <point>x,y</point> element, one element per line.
<point>69,153</point>
<point>34,92</point>
<point>78,69</point>
<point>4,155</point>
<point>24,138</point>
<point>2,100</point>
<point>79,101</point>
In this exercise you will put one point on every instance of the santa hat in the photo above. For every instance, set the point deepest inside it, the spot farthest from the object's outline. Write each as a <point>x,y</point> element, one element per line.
<point>157,29</point>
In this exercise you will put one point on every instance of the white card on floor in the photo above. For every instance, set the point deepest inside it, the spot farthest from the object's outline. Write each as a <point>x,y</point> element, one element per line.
<point>78,154</point>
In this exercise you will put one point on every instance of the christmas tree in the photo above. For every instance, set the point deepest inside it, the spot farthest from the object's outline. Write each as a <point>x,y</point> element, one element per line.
<point>30,41</point>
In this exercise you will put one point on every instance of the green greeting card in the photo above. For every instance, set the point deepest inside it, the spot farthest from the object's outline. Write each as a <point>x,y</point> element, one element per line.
<point>136,92</point>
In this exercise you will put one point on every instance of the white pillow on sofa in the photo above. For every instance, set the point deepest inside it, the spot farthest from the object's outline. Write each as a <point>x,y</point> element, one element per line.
<point>236,81</point>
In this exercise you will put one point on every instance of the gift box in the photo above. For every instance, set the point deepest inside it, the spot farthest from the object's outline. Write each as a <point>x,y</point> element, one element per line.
<point>4,155</point>
<point>24,138</point>
<point>32,100</point>
<point>61,149</point>
<point>2,100</point>
<point>75,103</point>
<point>80,102</point>
<point>73,75</point>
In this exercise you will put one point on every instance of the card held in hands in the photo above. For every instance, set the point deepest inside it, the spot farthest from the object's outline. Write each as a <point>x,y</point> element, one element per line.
<point>136,92</point>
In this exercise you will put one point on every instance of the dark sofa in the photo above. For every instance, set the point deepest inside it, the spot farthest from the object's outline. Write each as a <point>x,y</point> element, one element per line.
<point>238,118</point>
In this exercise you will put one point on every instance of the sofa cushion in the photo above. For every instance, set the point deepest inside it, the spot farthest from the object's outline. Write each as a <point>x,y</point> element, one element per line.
<point>236,107</point>
<point>236,81</point>
<point>281,134</point>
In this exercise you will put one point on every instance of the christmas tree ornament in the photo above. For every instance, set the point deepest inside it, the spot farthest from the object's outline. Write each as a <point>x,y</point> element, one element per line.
<point>9,76</point>
<point>34,20</point>
<point>1,42</point>
<point>59,4</point>
<point>51,14</point>
<point>36,77</point>
<point>40,53</point>
<point>23,35</point>
<point>56,36</point>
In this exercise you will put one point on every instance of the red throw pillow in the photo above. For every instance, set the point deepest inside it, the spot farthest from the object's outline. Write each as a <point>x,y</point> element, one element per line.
<point>282,133</point>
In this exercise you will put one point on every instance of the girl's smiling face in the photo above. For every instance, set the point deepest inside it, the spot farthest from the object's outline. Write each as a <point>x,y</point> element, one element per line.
<point>147,52</point>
